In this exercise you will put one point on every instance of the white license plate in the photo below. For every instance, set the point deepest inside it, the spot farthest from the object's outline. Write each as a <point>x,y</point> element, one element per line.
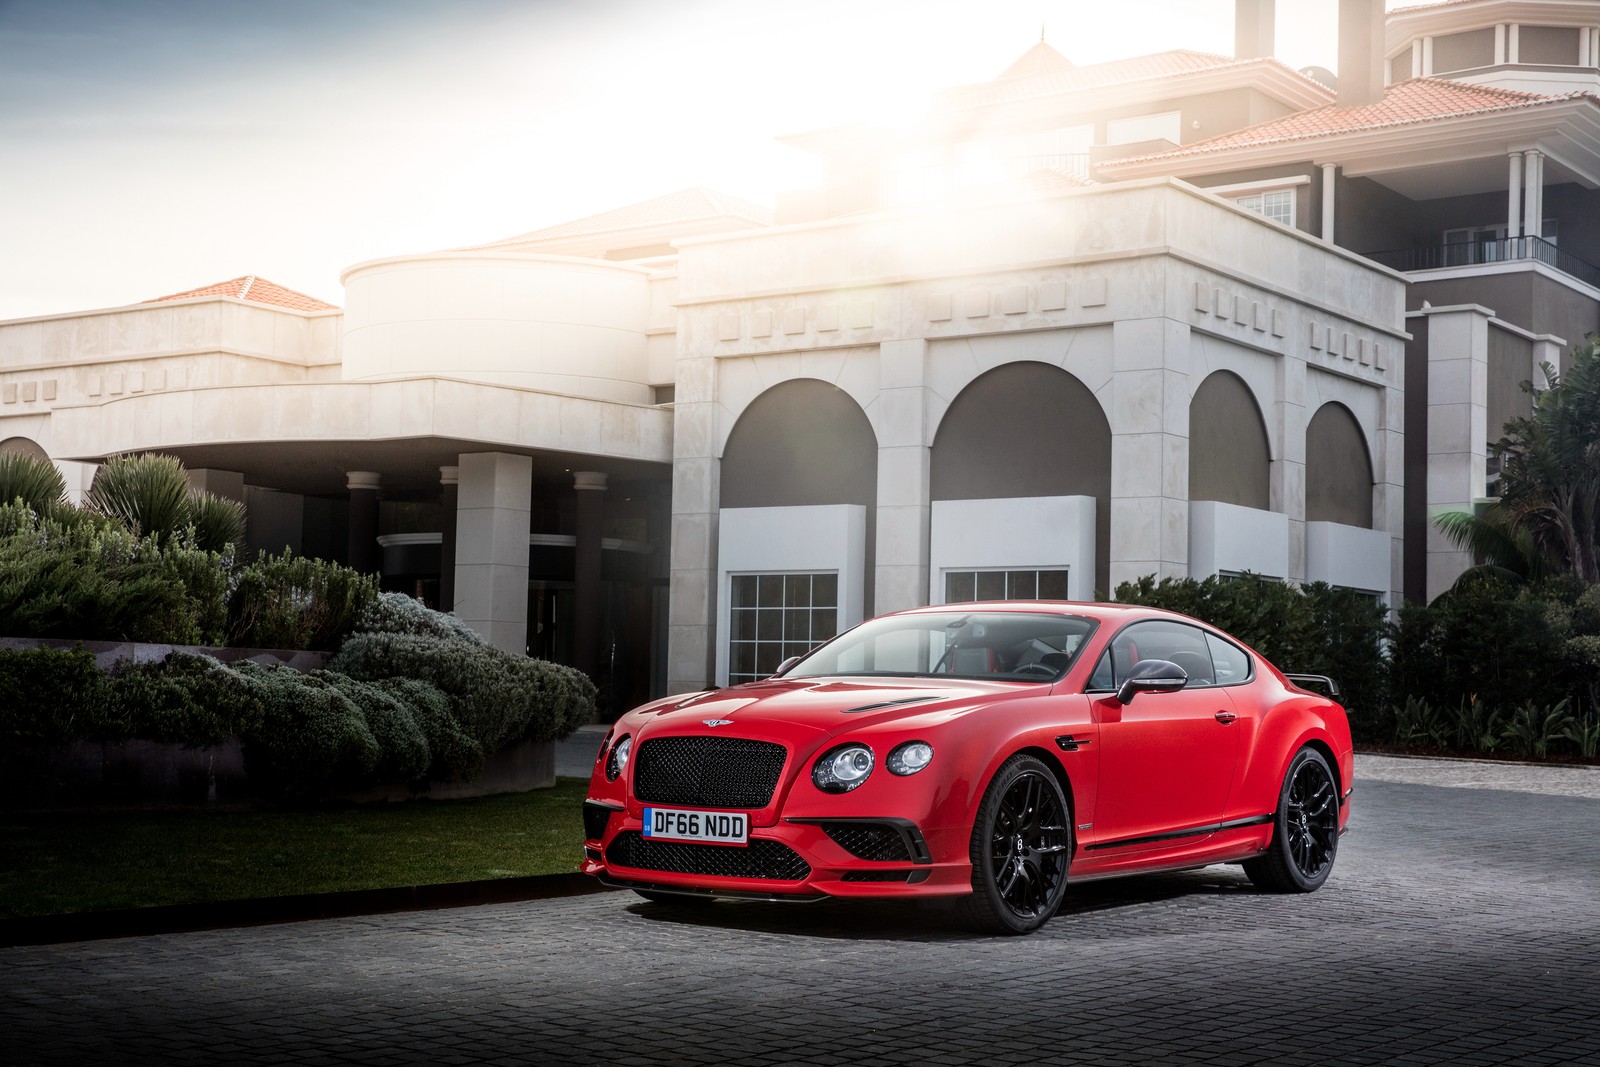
<point>677,824</point>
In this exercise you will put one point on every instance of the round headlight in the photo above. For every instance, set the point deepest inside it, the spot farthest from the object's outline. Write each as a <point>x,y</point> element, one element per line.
<point>842,769</point>
<point>618,761</point>
<point>910,757</point>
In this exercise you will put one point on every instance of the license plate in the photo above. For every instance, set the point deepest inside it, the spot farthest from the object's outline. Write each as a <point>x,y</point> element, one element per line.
<point>676,824</point>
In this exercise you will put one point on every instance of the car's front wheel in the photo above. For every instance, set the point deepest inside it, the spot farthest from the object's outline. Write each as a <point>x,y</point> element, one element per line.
<point>1305,829</point>
<point>1021,847</point>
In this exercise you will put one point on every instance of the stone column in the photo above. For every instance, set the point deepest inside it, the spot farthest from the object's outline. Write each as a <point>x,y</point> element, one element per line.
<point>1532,200</point>
<point>1287,475</point>
<point>1330,172</point>
<point>591,488</point>
<point>696,493</point>
<point>904,455</point>
<point>1457,428</point>
<point>449,495</point>
<point>1514,195</point>
<point>1149,449</point>
<point>492,513</point>
<point>362,545</point>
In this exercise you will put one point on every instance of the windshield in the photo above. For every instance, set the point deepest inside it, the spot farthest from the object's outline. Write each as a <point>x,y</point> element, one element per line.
<point>1006,646</point>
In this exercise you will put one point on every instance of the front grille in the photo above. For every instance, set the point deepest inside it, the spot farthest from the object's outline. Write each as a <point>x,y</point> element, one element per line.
<point>869,840</point>
<point>759,859</point>
<point>713,772</point>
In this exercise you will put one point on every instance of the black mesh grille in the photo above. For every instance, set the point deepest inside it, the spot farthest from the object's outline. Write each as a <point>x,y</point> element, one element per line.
<point>759,859</point>
<point>869,840</point>
<point>595,818</point>
<point>713,772</point>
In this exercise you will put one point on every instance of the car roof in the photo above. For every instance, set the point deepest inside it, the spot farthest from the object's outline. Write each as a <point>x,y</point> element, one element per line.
<point>1087,609</point>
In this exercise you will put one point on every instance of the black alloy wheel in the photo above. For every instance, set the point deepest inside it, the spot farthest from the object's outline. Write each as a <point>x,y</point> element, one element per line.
<point>1305,829</point>
<point>1021,848</point>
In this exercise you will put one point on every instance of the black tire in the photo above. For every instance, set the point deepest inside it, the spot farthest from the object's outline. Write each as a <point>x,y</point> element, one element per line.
<point>1021,849</point>
<point>679,900</point>
<point>1305,829</point>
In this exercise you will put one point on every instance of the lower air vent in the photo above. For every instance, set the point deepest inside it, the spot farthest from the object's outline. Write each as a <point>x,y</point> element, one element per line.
<point>771,860</point>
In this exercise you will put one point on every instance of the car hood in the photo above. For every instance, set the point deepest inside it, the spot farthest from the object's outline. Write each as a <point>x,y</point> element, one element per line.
<point>823,705</point>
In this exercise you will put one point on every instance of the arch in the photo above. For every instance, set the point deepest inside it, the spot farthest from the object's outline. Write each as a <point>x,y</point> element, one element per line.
<point>1338,468</point>
<point>1230,455</point>
<point>1027,429</point>
<point>803,441</point>
<point>25,446</point>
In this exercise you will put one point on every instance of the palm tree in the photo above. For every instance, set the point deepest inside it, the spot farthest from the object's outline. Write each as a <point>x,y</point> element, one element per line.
<point>1547,520</point>
<point>150,495</point>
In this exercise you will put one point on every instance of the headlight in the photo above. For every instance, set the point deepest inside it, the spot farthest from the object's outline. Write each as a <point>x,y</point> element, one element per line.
<point>618,760</point>
<point>910,757</point>
<point>842,769</point>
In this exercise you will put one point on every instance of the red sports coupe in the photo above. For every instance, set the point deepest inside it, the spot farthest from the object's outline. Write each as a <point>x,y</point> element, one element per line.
<point>989,751</point>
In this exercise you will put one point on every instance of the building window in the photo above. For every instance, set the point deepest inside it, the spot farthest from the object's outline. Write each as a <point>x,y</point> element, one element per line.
<point>961,586</point>
<point>1275,204</point>
<point>774,616</point>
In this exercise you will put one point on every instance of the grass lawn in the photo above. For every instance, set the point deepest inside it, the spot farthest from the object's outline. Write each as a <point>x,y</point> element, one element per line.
<point>74,862</point>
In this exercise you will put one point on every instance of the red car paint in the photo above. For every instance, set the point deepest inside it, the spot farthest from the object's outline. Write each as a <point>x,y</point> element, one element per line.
<point>1169,780</point>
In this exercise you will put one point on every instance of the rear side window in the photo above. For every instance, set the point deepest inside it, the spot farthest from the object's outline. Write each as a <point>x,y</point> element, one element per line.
<point>1232,662</point>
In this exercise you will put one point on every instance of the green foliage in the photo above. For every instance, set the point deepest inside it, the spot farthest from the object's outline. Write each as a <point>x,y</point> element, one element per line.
<point>290,601</point>
<point>1584,734</point>
<point>497,697</point>
<point>310,734</point>
<point>396,613</point>
<point>149,495</point>
<point>1532,727</point>
<point>1417,722</point>
<point>218,524</point>
<point>90,580</point>
<point>35,482</point>
<point>455,755</point>
<point>48,696</point>
<point>183,698</point>
<point>403,754</point>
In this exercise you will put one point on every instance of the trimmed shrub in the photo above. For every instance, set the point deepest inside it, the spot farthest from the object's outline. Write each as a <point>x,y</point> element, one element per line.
<point>498,698</point>
<point>48,696</point>
<point>184,698</point>
<point>455,755</point>
<point>396,613</point>
<point>93,581</point>
<point>309,735</point>
<point>403,754</point>
<point>291,601</point>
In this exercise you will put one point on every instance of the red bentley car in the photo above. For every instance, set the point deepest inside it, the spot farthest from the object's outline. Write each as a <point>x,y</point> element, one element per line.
<point>989,751</point>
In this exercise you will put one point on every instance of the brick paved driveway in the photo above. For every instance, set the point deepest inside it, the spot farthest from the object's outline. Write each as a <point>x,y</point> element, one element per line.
<point>1460,926</point>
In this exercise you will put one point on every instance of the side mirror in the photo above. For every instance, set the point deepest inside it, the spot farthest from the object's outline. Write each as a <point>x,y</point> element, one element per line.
<point>1153,676</point>
<point>785,665</point>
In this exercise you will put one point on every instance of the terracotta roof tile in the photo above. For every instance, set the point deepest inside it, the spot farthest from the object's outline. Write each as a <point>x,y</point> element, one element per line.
<point>1405,103</point>
<point>680,208</point>
<point>254,289</point>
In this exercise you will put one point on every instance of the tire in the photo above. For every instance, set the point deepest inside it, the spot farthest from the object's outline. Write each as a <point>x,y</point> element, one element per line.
<point>675,900</point>
<point>1305,829</point>
<point>1021,849</point>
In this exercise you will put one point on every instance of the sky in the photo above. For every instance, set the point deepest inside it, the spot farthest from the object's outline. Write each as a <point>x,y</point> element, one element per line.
<point>153,146</point>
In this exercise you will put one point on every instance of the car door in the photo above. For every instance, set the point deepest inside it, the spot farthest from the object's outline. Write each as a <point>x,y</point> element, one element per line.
<point>1166,759</point>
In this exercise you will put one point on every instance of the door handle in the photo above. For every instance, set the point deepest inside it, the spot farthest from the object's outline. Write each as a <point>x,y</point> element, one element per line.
<point>1225,717</point>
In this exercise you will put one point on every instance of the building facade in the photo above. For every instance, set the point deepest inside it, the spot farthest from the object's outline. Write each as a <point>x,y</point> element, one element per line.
<point>1183,314</point>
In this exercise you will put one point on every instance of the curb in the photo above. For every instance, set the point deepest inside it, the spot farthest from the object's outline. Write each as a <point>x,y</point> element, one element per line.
<point>225,914</point>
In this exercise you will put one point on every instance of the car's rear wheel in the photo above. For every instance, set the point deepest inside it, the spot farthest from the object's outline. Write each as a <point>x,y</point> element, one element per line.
<point>1305,829</point>
<point>1021,847</point>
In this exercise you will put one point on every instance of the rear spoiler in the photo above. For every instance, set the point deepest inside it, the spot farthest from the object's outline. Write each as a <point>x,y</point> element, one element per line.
<point>1316,681</point>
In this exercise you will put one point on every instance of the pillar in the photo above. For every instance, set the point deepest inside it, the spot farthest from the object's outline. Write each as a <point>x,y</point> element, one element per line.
<point>586,611</point>
<point>449,496</point>
<point>495,499</point>
<point>1149,449</point>
<point>1533,194</point>
<point>901,553</point>
<point>696,492</point>
<point>362,545</point>
<point>1514,195</point>
<point>1330,171</point>
<point>1287,473</point>
<point>1457,428</point>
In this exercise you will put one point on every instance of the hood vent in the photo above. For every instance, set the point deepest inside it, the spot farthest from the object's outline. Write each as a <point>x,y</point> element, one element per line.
<point>889,704</point>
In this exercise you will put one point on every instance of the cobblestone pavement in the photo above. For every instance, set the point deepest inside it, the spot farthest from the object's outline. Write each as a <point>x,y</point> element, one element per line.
<point>1459,927</point>
<point>1553,779</point>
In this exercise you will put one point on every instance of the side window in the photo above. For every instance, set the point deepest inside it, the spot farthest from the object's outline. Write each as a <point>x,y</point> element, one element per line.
<point>1102,681</point>
<point>1177,642</point>
<point>1232,662</point>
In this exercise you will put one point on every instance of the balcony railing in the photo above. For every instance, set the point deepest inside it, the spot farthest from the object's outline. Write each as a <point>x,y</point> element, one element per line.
<point>1074,163</point>
<point>1477,253</point>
